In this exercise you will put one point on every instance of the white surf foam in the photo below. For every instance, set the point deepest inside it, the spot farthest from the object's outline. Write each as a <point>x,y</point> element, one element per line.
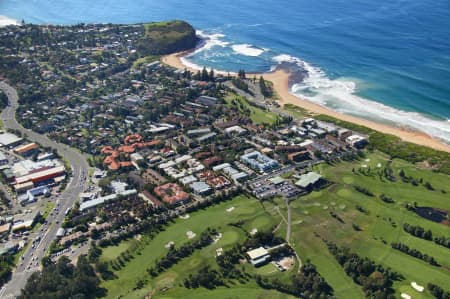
<point>210,40</point>
<point>5,21</point>
<point>339,94</point>
<point>247,50</point>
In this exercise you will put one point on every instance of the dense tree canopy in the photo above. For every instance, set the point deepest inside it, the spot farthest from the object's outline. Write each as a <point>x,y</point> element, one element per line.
<point>63,280</point>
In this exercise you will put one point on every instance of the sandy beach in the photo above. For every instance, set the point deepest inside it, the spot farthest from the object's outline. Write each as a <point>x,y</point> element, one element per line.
<point>5,21</point>
<point>280,81</point>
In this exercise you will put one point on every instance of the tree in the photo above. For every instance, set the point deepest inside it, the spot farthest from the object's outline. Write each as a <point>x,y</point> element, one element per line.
<point>204,76</point>
<point>64,280</point>
<point>265,90</point>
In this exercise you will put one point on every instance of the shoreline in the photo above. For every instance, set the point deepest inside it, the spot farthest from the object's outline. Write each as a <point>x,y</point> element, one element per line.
<point>280,80</point>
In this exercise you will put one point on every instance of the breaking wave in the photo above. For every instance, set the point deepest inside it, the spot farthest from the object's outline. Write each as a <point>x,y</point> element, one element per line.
<point>340,95</point>
<point>247,50</point>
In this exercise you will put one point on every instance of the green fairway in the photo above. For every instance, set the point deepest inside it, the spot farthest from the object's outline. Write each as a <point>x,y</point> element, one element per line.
<point>380,227</point>
<point>234,292</point>
<point>149,250</point>
<point>112,252</point>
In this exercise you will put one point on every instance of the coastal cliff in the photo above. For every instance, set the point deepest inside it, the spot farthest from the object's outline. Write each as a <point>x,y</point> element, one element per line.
<point>167,37</point>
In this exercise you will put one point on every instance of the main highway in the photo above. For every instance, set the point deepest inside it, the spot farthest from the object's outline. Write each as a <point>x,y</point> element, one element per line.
<point>32,257</point>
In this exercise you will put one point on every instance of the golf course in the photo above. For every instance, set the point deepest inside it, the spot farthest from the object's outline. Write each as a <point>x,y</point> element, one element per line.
<point>364,208</point>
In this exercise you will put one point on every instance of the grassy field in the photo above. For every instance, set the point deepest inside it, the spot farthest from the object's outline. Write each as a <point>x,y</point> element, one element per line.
<point>257,115</point>
<point>297,111</point>
<point>112,252</point>
<point>380,227</point>
<point>145,60</point>
<point>241,291</point>
<point>147,250</point>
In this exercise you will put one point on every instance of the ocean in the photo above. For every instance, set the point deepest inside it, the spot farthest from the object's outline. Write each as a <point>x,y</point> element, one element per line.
<point>386,61</point>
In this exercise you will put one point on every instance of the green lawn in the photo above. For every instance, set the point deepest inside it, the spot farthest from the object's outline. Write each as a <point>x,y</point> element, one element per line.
<point>144,60</point>
<point>112,252</point>
<point>49,206</point>
<point>241,291</point>
<point>257,115</point>
<point>149,250</point>
<point>296,111</point>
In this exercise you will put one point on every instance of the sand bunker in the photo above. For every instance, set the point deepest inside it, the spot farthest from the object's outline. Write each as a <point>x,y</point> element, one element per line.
<point>190,234</point>
<point>405,296</point>
<point>253,231</point>
<point>219,251</point>
<point>217,237</point>
<point>168,245</point>
<point>185,216</point>
<point>417,287</point>
<point>230,209</point>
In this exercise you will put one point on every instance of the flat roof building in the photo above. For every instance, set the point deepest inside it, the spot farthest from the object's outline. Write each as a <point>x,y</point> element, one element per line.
<point>100,200</point>
<point>208,101</point>
<point>308,180</point>
<point>187,180</point>
<point>206,137</point>
<point>9,140</point>
<point>200,188</point>
<point>238,130</point>
<point>357,141</point>
<point>27,149</point>
<point>258,256</point>
<point>259,162</point>
<point>41,175</point>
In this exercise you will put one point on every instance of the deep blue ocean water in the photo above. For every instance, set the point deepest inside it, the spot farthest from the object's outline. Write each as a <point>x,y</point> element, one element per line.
<point>383,60</point>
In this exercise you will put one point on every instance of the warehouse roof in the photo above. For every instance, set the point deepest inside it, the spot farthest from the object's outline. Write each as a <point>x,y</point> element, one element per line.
<point>8,138</point>
<point>308,179</point>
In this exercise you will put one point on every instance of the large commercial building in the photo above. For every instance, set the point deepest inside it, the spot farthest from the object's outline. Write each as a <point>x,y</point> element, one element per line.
<point>40,176</point>
<point>308,180</point>
<point>9,140</point>
<point>101,200</point>
<point>259,162</point>
<point>27,149</point>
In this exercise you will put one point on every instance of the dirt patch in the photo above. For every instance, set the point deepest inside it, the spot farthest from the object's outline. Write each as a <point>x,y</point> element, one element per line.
<point>287,262</point>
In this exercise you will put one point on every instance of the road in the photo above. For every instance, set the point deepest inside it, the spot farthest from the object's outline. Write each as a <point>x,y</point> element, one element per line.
<point>32,257</point>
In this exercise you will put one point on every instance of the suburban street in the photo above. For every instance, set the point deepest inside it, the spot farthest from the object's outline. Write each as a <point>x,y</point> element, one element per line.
<point>40,241</point>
